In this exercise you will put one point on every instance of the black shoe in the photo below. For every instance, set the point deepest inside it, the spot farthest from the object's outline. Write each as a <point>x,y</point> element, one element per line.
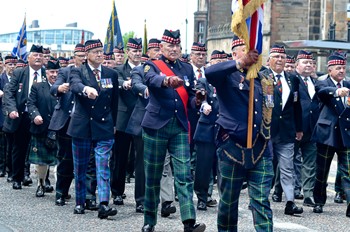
<point>139,208</point>
<point>123,196</point>
<point>147,228</point>
<point>48,188</point>
<point>79,209</point>
<point>318,209</point>
<point>244,185</point>
<point>348,211</point>
<point>118,200</point>
<point>309,201</point>
<point>60,201</point>
<point>104,211</point>
<point>10,179</point>
<point>68,196</point>
<point>201,206</point>
<point>176,198</point>
<point>211,202</point>
<point>167,209</point>
<point>2,174</point>
<point>292,209</point>
<point>276,197</point>
<point>27,181</point>
<point>91,205</point>
<point>298,196</point>
<point>16,185</point>
<point>40,191</point>
<point>338,198</point>
<point>199,227</point>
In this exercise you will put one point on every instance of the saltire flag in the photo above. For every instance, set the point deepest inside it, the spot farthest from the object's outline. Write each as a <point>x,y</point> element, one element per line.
<point>113,35</point>
<point>145,41</point>
<point>247,23</point>
<point>20,48</point>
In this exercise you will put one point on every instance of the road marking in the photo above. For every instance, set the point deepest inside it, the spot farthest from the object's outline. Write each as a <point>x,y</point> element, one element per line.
<point>291,226</point>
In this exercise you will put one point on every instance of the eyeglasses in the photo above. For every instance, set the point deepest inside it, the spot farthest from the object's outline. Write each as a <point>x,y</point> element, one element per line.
<point>81,56</point>
<point>198,54</point>
<point>278,57</point>
<point>96,52</point>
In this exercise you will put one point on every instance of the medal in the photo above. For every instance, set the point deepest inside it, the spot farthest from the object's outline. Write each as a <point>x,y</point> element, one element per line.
<point>214,94</point>
<point>20,87</point>
<point>187,82</point>
<point>241,85</point>
<point>269,101</point>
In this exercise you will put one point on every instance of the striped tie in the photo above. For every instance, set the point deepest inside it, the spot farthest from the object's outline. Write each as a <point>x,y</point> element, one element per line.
<point>97,75</point>
<point>199,73</point>
<point>279,83</point>
<point>35,79</point>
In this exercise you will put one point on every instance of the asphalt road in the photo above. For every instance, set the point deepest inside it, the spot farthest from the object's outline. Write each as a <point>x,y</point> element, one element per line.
<point>20,210</point>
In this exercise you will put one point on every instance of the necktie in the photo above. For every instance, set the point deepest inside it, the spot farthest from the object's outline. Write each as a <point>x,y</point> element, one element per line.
<point>338,85</point>
<point>199,73</point>
<point>305,81</point>
<point>279,83</point>
<point>97,75</point>
<point>35,79</point>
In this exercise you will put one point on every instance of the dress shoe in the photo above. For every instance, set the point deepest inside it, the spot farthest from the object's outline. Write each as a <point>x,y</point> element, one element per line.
<point>199,227</point>
<point>298,196</point>
<point>68,196</point>
<point>60,201</point>
<point>318,209</point>
<point>40,191</point>
<point>91,205</point>
<point>348,211</point>
<point>211,202</point>
<point>309,201</point>
<point>338,198</point>
<point>123,196</point>
<point>48,188</point>
<point>201,206</point>
<point>104,211</point>
<point>147,228</point>
<point>2,174</point>
<point>292,209</point>
<point>139,208</point>
<point>9,179</point>
<point>167,209</point>
<point>244,185</point>
<point>276,197</point>
<point>118,200</point>
<point>27,181</point>
<point>16,185</point>
<point>176,198</point>
<point>79,209</point>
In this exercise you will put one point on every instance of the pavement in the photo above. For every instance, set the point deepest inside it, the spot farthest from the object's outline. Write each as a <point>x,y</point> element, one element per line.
<point>21,211</point>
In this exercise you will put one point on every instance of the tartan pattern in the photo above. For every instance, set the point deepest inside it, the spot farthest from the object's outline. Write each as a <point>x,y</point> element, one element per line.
<point>259,179</point>
<point>39,154</point>
<point>102,153</point>
<point>324,158</point>
<point>174,138</point>
<point>81,156</point>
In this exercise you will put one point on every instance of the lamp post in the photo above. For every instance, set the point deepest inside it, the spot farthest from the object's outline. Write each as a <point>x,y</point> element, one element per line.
<point>186,21</point>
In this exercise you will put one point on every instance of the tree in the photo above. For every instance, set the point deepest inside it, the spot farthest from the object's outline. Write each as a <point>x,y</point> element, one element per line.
<point>126,37</point>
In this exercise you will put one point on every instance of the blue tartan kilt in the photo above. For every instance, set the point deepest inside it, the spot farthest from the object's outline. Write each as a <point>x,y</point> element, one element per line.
<point>39,153</point>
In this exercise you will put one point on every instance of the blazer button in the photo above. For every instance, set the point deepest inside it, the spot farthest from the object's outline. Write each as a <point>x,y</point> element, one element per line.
<point>346,129</point>
<point>69,111</point>
<point>105,107</point>
<point>335,127</point>
<point>72,102</point>
<point>280,116</point>
<point>103,119</point>
<point>91,119</point>
<point>175,111</point>
<point>310,111</point>
<point>211,102</point>
<point>92,107</point>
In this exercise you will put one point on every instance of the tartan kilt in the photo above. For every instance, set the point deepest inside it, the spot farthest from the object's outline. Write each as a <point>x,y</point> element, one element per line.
<point>39,153</point>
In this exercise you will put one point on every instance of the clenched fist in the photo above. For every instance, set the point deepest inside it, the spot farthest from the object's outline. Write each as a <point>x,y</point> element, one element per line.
<point>175,82</point>
<point>201,96</point>
<point>248,59</point>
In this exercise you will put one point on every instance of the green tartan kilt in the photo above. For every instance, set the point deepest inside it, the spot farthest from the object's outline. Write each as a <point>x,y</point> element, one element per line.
<point>39,153</point>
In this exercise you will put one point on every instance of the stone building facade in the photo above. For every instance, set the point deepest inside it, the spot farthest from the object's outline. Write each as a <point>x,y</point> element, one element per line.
<point>284,20</point>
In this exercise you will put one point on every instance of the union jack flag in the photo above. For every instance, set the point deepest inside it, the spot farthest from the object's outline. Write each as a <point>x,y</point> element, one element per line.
<point>247,24</point>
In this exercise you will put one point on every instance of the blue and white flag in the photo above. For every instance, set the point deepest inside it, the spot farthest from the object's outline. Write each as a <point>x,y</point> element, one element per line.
<point>20,48</point>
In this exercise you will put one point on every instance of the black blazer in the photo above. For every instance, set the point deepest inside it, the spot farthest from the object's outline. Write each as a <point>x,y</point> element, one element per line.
<point>285,123</point>
<point>40,102</point>
<point>17,95</point>
<point>94,119</point>
<point>3,81</point>
<point>64,107</point>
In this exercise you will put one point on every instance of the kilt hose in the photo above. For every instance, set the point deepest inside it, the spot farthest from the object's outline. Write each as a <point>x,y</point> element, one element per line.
<point>174,138</point>
<point>259,181</point>
<point>324,159</point>
<point>81,155</point>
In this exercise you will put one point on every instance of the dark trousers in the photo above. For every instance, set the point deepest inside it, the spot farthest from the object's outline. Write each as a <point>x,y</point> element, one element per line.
<point>21,139</point>
<point>3,161</point>
<point>65,167</point>
<point>119,161</point>
<point>206,153</point>
<point>9,148</point>
<point>139,170</point>
<point>324,159</point>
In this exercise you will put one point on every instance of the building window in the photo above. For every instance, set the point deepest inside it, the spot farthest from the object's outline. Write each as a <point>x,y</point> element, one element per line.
<point>200,39</point>
<point>200,27</point>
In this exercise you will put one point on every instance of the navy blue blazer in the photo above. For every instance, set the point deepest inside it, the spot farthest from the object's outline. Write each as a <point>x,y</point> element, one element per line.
<point>165,103</point>
<point>64,107</point>
<point>94,119</point>
<point>40,102</point>
<point>333,125</point>
<point>3,81</point>
<point>285,123</point>
<point>233,100</point>
<point>205,130</point>
<point>310,108</point>
<point>138,88</point>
